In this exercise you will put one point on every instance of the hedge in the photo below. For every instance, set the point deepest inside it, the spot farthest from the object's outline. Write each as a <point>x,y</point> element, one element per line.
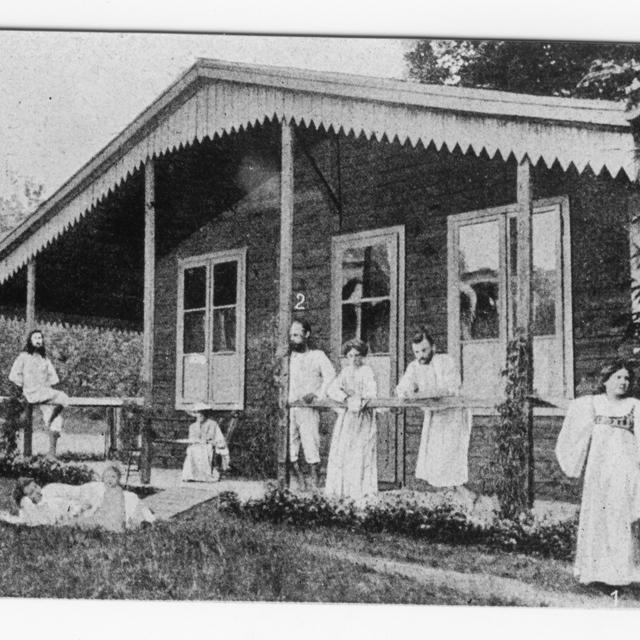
<point>44,470</point>
<point>441,523</point>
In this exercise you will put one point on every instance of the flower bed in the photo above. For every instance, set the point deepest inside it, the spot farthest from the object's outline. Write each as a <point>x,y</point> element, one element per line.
<point>438,523</point>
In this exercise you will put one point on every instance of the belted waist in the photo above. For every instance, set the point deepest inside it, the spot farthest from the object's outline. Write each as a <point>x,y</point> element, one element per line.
<point>618,422</point>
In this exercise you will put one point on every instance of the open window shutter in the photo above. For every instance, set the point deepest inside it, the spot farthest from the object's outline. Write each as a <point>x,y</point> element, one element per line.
<point>192,365</point>
<point>226,387</point>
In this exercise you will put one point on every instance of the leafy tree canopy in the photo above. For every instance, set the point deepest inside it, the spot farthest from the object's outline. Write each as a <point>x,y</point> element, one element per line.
<point>18,198</point>
<point>576,69</point>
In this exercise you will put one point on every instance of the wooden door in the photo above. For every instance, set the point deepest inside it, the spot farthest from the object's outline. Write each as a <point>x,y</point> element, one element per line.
<point>367,303</point>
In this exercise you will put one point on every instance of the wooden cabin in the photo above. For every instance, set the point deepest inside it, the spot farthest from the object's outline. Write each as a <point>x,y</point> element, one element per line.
<point>247,195</point>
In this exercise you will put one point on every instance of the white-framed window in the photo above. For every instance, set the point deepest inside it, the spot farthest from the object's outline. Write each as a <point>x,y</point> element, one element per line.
<point>482,283</point>
<point>211,330</point>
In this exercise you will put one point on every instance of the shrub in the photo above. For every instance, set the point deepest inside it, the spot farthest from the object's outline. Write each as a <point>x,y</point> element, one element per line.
<point>11,412</point>
<point>441,523</point>
<point>253,446</point>
<point>44,470</point>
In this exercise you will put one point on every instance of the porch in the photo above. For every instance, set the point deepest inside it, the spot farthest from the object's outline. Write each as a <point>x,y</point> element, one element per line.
<point>385,186</point>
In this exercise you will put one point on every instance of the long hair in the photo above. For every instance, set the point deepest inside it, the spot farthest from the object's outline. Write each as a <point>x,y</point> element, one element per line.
<point>19,489</point>
<point>29,348</point>
<point>615,365</point>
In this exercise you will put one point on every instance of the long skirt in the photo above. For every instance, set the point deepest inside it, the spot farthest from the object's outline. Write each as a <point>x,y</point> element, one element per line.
<point>444,445</point>
<point>197,464</point>
<point>352,469</point>
<point>608,548</point>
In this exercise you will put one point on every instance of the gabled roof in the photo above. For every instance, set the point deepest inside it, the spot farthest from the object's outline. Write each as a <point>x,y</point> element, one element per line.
<point>215,97</point>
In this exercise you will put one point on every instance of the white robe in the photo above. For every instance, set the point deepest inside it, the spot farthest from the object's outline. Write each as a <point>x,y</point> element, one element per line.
<point>36,376</point>
<point>352,468</point>
<point>607,548</point>
<point>199,457</point>
<point>444,444</point>
<point>64,504</point>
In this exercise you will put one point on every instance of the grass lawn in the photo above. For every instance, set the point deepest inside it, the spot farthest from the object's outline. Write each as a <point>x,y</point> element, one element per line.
<point>206,555</point>
<point>195,558</point>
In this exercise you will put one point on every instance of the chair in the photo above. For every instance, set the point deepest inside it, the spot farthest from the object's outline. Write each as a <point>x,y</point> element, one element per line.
<point>133,455</point>
<point>231,427</point>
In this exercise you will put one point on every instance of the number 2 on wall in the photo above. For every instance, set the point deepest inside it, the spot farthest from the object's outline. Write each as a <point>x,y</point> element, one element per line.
<point>300,306</point>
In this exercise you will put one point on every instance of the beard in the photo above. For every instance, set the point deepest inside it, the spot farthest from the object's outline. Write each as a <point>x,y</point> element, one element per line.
<point>299,347</point>
<point>39,350</point>
<point>427,359</point>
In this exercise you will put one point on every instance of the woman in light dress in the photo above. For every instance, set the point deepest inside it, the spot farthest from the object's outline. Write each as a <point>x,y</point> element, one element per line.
<point>204,436</point>
<point>352,469</point>
<point>604,429</point>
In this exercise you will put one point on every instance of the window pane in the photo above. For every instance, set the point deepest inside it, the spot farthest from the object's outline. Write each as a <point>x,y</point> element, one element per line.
<point>545,272</point>
<point>513,272</point>
<point>479,261</point>
<point>194,378</point>
<point>224,329</point>
<point>195,288</point>
<point>193,341</point>
<point>479,311</point>
<point>375,325</point>
<point>224,283</point>
<point>350,321</point>
<point>365,272</point>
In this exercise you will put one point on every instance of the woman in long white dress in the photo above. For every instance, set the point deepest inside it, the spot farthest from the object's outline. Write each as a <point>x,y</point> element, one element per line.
<point>605,430</point>
<point>205,436</point>
<point>352,468</point>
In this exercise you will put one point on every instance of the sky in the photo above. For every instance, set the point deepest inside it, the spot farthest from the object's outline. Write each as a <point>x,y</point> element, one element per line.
<point>67,94</point>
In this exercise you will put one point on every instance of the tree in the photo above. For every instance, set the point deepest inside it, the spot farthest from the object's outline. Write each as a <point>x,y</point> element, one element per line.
<point>578,69</point>
<point>20,198</point>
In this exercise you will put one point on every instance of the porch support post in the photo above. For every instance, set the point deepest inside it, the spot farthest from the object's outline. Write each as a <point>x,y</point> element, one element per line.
<point>30,312</point>
<point>30,325</point>
<point>149,305</point>
<point>286,292</point>
<point>524,311</point>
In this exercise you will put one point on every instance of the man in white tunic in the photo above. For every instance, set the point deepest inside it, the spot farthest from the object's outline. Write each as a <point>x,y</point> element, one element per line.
<point>442,455</point>
<point>34,373</point>
<point>310,373</point>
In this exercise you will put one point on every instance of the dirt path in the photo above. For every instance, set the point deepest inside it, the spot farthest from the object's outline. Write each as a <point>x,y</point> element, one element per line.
<point>478,587</point>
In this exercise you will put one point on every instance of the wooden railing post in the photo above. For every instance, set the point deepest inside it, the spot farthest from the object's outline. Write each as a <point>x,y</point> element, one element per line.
<point>27,432</point>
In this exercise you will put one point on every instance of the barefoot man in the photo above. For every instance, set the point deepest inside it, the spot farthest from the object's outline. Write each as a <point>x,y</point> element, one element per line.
<point>34,373</point>
<point>310,373</point>
<point>442,455</point>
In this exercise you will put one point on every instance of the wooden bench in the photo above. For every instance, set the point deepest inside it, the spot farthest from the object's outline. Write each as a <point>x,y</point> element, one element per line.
<point>113,407</point>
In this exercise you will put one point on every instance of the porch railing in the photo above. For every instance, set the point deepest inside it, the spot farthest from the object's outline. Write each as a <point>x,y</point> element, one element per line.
<point>112,406</point>
<point>442,402</point>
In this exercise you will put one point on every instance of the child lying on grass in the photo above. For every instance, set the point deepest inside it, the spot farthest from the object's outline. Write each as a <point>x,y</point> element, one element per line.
<point>94,504</point>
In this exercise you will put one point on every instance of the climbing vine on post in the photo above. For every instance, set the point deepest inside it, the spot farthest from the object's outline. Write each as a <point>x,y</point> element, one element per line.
<point>513,458</point>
